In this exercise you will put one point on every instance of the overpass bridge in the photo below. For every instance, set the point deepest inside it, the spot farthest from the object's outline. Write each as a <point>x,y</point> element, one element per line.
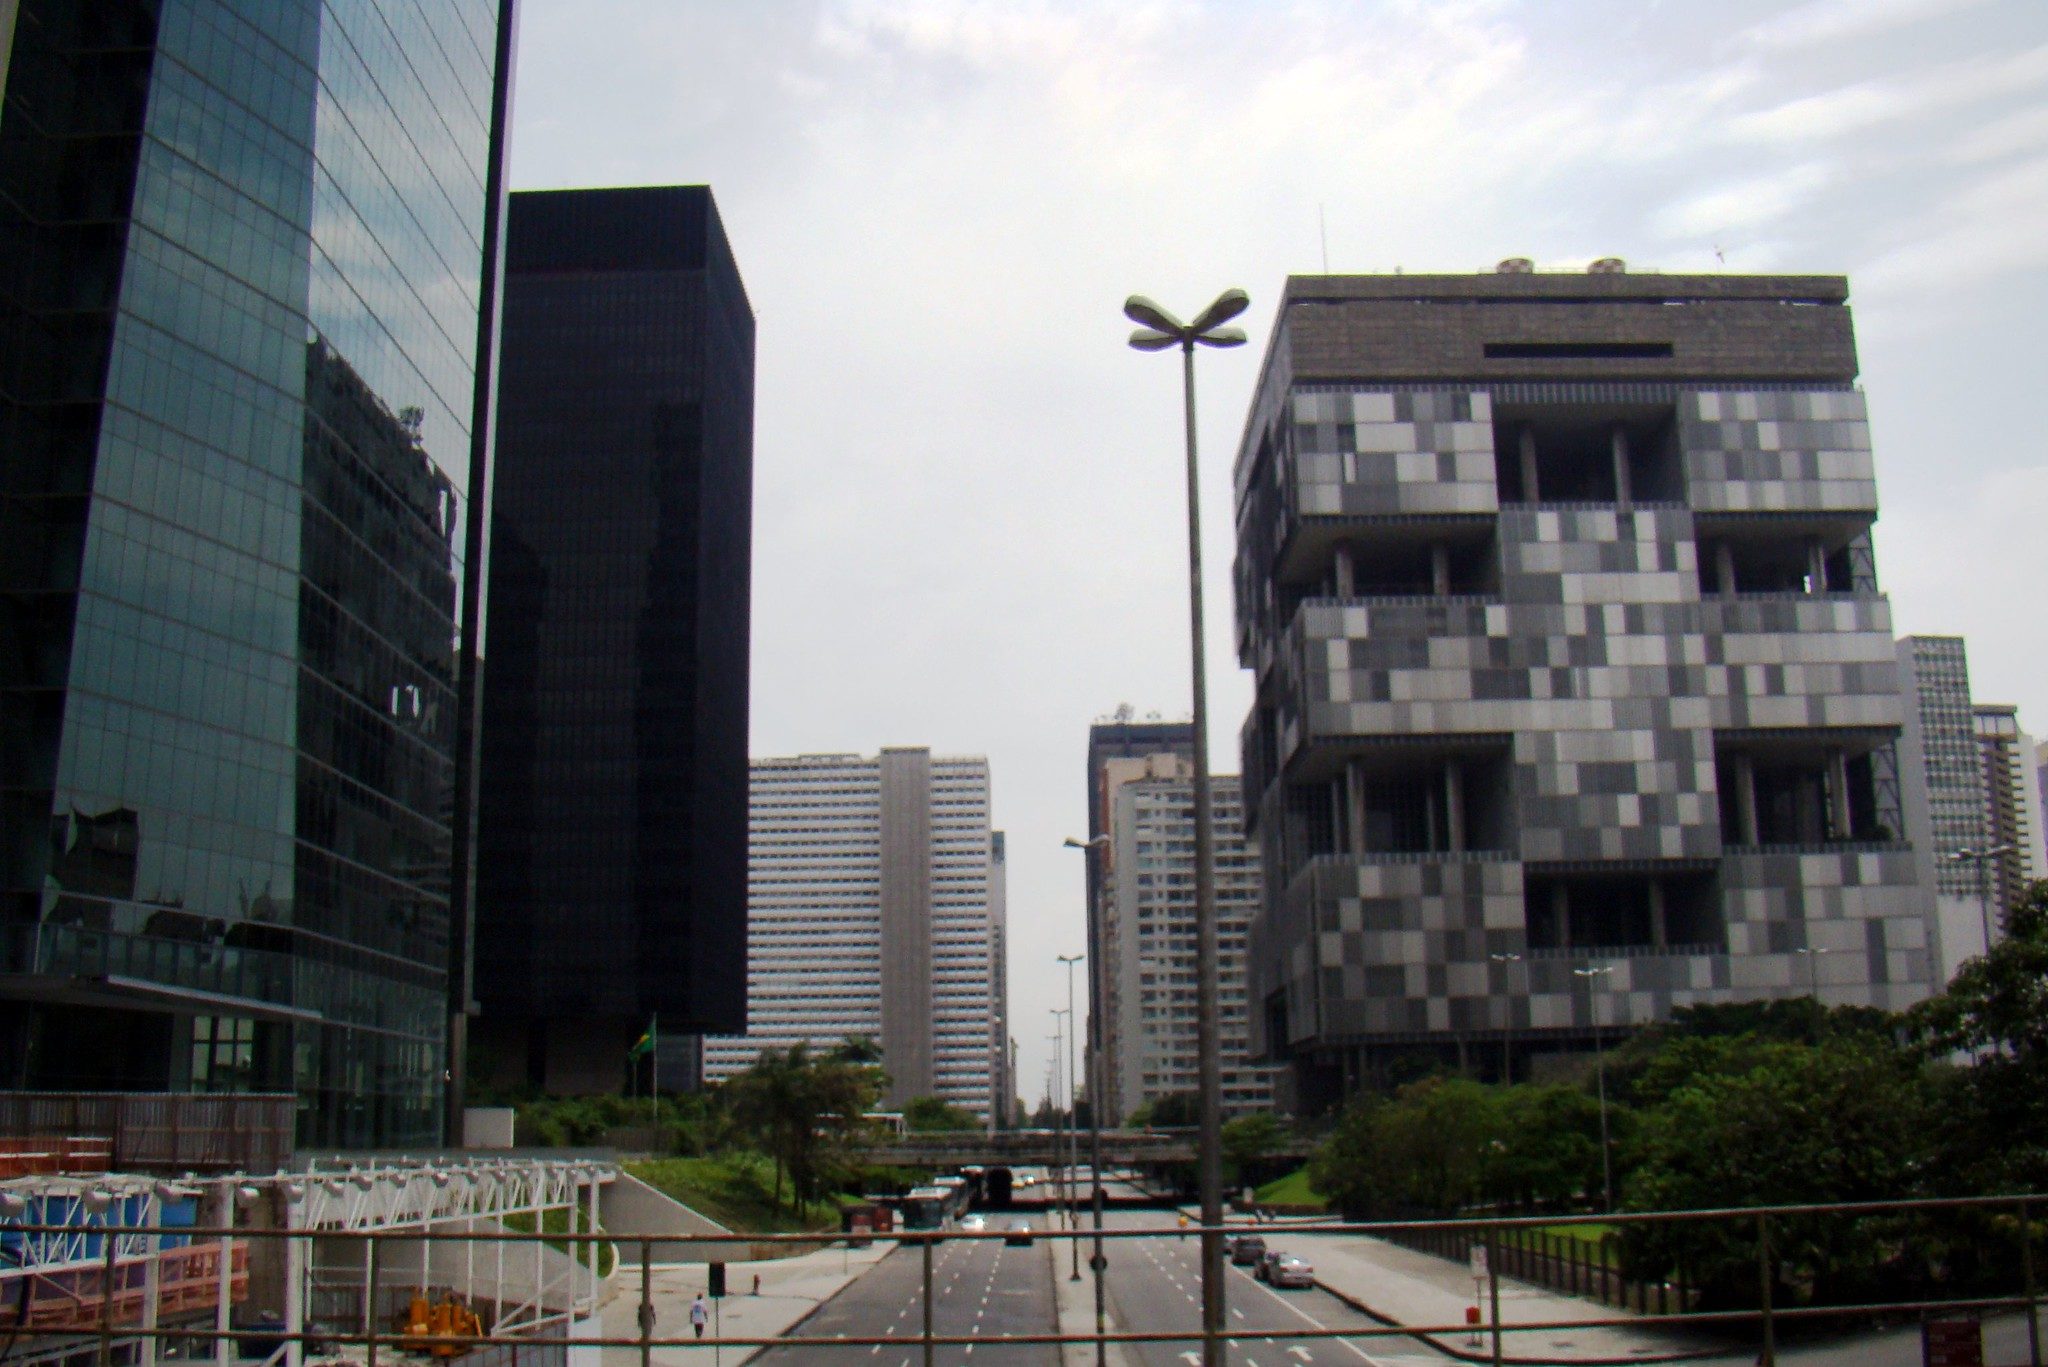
<point>1044,1148</point>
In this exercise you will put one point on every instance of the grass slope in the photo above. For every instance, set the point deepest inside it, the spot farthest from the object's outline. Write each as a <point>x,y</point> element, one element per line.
<point>737,1190</point>
<point>1291,1190</point>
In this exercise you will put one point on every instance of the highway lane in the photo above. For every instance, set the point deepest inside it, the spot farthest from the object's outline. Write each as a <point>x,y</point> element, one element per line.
<point>979,1287</point>
<point>1155,1285</point>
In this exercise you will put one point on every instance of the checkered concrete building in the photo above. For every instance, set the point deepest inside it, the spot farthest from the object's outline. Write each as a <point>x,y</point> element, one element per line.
<point>1576,696</point>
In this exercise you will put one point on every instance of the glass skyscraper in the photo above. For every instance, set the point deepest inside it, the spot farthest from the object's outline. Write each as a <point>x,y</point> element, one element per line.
<point>243,250</point>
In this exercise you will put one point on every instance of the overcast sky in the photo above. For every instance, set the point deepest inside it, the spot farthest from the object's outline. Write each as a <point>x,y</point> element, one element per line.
<point>969,524</point>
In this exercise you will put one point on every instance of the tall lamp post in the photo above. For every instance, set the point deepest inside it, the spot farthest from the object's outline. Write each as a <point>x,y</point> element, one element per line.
<point>1098,1095</point>
<point>1982,858</point>
<point>1506,1067</point>
<point>1600,1066</point>
<point>1059,1185</point>
<point>1813,953</point>
<point>1159,330</point>
<point>1073,1092</point>
<point>1063,1115</point>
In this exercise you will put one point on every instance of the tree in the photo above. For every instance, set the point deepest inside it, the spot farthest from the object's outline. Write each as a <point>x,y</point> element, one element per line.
<point>1425,1150</point>
<point>930,1115</point>
<point>1770,1123</point>
<point>1177,1111</point>
<point>1548,1150</point>
<point>1247,1139</point>
<point>807,1112</point>
<point>1995,1014</point>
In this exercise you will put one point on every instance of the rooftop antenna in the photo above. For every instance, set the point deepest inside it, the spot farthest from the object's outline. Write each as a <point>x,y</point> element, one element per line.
<point>1720,256</point>
<point>1323,227</point>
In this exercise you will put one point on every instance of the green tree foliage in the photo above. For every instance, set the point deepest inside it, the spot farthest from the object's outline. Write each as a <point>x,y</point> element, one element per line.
<point>1995,1013</point>
<point>1176,1111</point>
<point>1246,1140</point>
<point>1770,1123</point>
<point>806,1112</point>
<point>930,1115</point>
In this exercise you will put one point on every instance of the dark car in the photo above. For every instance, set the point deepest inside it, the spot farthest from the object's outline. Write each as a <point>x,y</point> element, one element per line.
<point>1017,1233</point>
<point>1247,1249</point>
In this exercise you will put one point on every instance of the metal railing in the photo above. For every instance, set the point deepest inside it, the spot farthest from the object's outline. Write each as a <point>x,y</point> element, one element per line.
<point>1741,1328</point>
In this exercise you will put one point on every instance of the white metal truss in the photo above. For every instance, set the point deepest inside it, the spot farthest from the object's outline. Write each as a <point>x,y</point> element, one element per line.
<point>522,1285</point>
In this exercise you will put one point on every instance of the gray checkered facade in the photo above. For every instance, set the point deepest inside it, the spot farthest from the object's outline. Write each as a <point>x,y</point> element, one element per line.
<point>1499,737</point>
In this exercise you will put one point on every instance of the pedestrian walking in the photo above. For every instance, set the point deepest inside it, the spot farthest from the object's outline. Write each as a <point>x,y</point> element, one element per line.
<point>699,1313</point>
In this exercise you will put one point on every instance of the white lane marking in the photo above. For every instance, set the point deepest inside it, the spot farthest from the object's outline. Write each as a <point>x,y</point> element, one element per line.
<point>1237,1312</point>
<point>1376,1362</point>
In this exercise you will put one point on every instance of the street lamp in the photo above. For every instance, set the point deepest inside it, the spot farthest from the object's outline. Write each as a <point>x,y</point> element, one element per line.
<point>1600,1066</point>
<point>1063,1179</point>
<point>1982,858</point>
<point>1507,1072</point>
<point>1158,330</point>
<point>1098,1095</point>
<point>1813,953</point>
<point>1073,1091</point>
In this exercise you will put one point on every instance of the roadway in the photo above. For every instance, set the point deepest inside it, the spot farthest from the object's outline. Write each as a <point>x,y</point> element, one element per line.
<point>979,1287</point>
<point>1155,1285</point>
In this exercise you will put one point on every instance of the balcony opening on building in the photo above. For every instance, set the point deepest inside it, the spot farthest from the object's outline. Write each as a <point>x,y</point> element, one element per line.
<point>1400,563</point>
<point>1765,557</point>
<point>1806,789</point>
<point>1587,453</point>
<point>1674,909</point>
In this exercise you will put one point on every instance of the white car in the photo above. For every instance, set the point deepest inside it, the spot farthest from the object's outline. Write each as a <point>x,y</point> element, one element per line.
<point>1288,1270</point>
<point>973,1224</point>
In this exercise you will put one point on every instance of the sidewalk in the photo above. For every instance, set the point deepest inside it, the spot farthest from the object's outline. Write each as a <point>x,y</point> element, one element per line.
<point>1401,1286</point>
<point>791,1288</point>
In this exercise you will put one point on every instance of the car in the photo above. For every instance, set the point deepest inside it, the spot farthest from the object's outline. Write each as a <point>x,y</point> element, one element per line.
<point>1264,1270</point>
<point>1288,1270</point>
<point>973,1224</point>
<point>1247,1249</point>
<point>1018,1234</point>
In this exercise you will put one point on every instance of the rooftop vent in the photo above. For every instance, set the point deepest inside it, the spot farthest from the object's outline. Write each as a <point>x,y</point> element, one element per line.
<point>1515,265</point>
<point>1608,265</point>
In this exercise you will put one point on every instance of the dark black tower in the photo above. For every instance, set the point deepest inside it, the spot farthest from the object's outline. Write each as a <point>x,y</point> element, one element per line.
<point>612,878</point>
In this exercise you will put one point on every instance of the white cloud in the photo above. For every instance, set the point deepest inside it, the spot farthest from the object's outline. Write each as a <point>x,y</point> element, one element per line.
<point>1747,205</point>
<point>1865,105</point>
<point>1828,22</point>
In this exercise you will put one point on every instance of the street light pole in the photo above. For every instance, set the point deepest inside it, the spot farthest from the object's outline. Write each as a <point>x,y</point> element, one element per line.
<point>1098,1092</point>
<point>1507,1072</point>
<point>1600,1067</point>
<point>1983,858</point>
<point>1059,1186</point>
<point>1073,1143</point>
<point>1813,953</point>
<point>1159,330</point>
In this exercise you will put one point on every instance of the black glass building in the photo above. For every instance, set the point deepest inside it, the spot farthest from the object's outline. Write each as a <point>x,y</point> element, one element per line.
<point>612,873</point>
<point>243,263</point>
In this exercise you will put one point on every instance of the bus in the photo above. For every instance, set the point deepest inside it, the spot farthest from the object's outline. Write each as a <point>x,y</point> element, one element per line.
<point>926,1208</point>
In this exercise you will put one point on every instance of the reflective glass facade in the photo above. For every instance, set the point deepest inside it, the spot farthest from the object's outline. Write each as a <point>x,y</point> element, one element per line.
<point>239,284</point>
<point>611,879</point>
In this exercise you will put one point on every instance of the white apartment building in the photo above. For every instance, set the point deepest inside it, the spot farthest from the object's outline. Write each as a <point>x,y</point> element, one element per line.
<point>1148,936</point>
<point>872,910</point>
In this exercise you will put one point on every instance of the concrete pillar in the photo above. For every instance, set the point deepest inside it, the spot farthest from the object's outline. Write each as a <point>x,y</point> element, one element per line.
<point>1659,934</point>
<point>1624,490</point>
<point>1345,573</point>
<point>1454,806</point>
<point>1816,567</point>
<point>1561,913</point>
<point>1531,491</point>
<point>1745,801</point>
<point>1439,569</point>
<point>1838,794</point>
<point>1433,824</point>
<point>1724,569</point>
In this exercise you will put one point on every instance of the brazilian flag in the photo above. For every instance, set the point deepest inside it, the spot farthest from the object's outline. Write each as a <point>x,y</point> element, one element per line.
<point>645,1044</point>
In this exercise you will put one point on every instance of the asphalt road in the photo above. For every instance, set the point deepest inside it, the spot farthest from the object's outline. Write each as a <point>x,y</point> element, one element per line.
<point>1155,1285</point>
<point>979,1287</point>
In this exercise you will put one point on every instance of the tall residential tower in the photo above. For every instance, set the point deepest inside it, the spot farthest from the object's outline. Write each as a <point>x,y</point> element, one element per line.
<point>1576,697</point>
<point>872,913</point>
